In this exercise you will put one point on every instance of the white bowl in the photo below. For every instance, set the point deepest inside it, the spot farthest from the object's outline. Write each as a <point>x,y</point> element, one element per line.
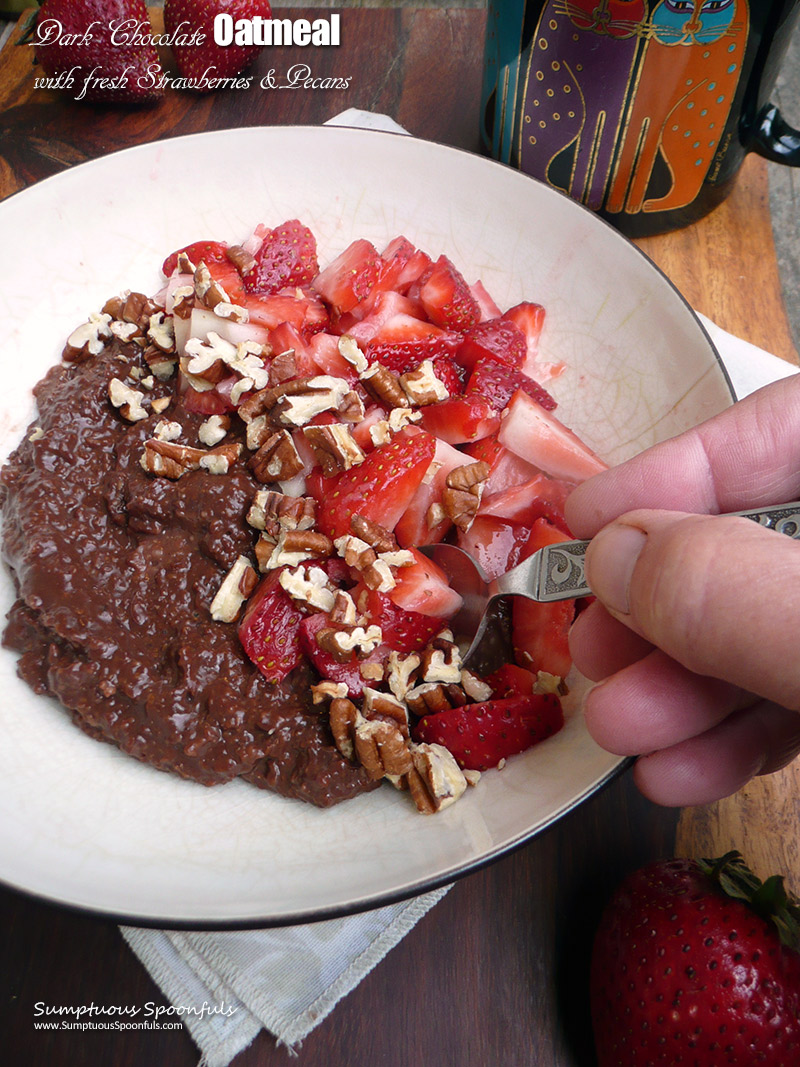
<point>90,827</point>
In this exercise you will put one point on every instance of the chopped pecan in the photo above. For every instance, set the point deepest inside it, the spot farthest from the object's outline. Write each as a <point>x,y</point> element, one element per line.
<point>243,260</point>
<point>292,548</point>
<point>462,493</point>
<point>371,672</point>
<point>349,350</point>
<point>475,687</point>
<point>167,431</point>
<point>351,409</point>
<point>277,459</point>
<point>421,385</point>
<point>258,429</point>
<point>342,642</point>
<point>124,331</point>
<point>402,672</point>
<point>160,403</point>
<point>131,307</point>
<point>311,586</point>
<point>343,716</point>
<point>343,612</point>
<point>184,264</point>
<point>232,312</point>
<point>328,690</point>
<point>160,364</point>
<point>296,402</point>
<point>441,662</point>
<point>238,584</point>
<point>334,447</point>
<point>127,400</point>
<point>183,301</point>
<point>375,535</point>
<point>430,697</point>
<point>378,705</point>
<point>214,430</point>
<point>207,290</point>
<point>87,339</point>
<point>174,460</point>
<point>384,386</point>
<point>437,781</point>
<point>283,367</point>
<point>273,511</point>
<point>161,333</point>
<point>381,748</point>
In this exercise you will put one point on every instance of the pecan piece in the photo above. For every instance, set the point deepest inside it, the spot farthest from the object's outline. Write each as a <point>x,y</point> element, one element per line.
<point>243,260</point>
<point>378,705</point>
<point>238,584</point>
<point>343,716</point>
<point>88,339</point>
<point>273,511</point>
<point>311,586</point>
<point>375,535</point>
<point>127,400</point>
<point>384,386</point>
<point>462,493</point>
<point>430,697</point>
<point>421,385</point>
<point>381,748</point>
<point>292,548</point>
<point>436,781</point>
<point>277,459</point>
<point>334,447</point>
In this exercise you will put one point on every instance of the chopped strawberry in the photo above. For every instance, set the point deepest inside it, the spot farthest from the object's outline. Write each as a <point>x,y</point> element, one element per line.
<point>361,431</point>
<point>349,279</point>
<point>486,306</point>
<point>403,265</point>
<point>287,256</point>
<point>324,352</point>
<point>424,588</point>
<point>270,629</point>
<point>511,681</point>
<point>402,356</point>
<point>460,419</point>
<point>495,544</point>
<point>413,527</point>
<point>539,438</point>
<point>406,328</point>
<point>326,665</point>
<point>499,340</point>
<point>497,384</point>
<point>529,318</point>
<point>363,326</point>
<point>481,735</point>
<point>446,297</point>
<point>379,489</point>
<point>539,632</point>
<point>207,251</point>
<point>404,631</point>
<point>541,497</point>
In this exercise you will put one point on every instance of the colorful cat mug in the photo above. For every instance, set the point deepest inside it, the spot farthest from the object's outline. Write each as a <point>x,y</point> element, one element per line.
<point>641,109</point>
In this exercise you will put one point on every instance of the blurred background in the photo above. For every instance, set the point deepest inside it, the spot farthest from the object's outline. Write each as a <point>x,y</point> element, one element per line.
<point>784,182</point>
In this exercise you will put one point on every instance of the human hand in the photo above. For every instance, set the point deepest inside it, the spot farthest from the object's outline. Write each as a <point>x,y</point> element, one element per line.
<point>695,634</point>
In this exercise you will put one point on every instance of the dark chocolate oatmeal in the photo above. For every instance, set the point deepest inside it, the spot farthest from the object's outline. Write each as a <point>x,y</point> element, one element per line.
<point>115,571</point>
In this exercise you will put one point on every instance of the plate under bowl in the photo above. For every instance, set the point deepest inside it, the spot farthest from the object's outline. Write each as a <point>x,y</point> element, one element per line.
<point>89,827</point>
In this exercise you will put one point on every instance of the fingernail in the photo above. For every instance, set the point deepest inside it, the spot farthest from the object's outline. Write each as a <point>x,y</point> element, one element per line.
<point>610,560</point>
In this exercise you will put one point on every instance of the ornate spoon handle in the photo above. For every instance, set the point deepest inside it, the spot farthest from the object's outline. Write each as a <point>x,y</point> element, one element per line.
<point>556,572</point>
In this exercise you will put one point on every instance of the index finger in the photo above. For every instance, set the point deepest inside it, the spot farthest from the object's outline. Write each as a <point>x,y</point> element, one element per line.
<point>747,456</point>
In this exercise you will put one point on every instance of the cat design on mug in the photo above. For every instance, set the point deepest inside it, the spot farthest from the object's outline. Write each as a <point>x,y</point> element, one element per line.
<point>569,130</point>
<point>708,37</point>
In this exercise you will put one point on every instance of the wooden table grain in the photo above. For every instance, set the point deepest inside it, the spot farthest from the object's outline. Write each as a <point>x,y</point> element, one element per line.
<point>497,972</point>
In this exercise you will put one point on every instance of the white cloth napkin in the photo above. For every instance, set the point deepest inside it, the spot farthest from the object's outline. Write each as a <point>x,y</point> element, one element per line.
<point>226,987</point>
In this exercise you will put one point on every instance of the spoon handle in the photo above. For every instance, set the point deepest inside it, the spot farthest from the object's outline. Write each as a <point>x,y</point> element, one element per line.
<point>556,572</point>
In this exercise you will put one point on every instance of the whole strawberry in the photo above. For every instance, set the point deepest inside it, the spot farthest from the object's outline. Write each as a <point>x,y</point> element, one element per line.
<point>696,963</point>
<point>202,60</point>
<point>99,50</point>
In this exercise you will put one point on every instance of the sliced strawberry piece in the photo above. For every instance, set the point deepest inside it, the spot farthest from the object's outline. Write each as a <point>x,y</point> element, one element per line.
<point>541,497</point>
<point>446,297</point>
<point>539,632</point>
<point>350,278</point>
<point>506,469</point>
<point>497,384</point>
<point>287,256</point>
<point>406,328</point>
<point>207,251</point>
<point>495,544</point>
<point>511,681</point>
<point>460,419</point>
<point>404,631</point>
<point>424,588</point>
<point>480,735</point>
<point>529,319</point>
<point>379,489</point>
<point>499,340</point>
<point>384,308</point>
<point>486,306</point>
<point>402,356</point>
<point>361,430</point>
<point>539,438</point>
<point>273,309</point>
<point>324,352</point>
<point>270,629</point>
<point>403,265</point>
<point>413,527</point>
<point>326,665</point>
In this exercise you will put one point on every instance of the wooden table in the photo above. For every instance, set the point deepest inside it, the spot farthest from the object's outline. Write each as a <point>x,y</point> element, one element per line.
<point>496,973</point>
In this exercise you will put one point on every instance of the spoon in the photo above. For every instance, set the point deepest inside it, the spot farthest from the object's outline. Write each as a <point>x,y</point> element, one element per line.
<point>555,572</point>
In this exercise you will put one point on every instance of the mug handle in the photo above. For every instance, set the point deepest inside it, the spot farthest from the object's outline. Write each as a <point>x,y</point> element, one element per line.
<point>775,139</point>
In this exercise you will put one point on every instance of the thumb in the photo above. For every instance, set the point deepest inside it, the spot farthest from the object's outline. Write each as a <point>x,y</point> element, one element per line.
<point>719,594</point>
